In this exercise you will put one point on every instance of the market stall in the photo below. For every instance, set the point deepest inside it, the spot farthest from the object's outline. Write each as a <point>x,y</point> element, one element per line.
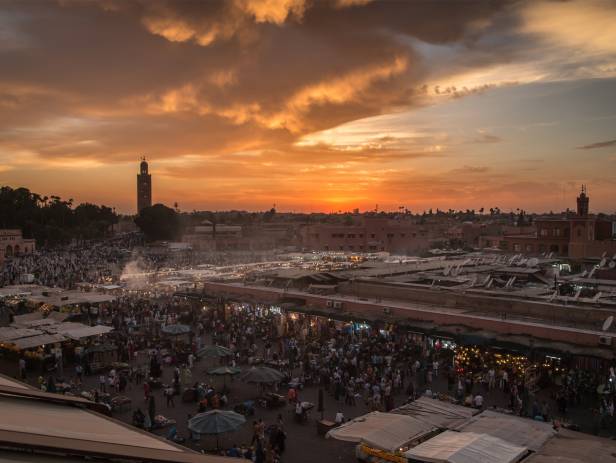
<point>465,447</point>
<point>384,436</point>
<point>518,431</point>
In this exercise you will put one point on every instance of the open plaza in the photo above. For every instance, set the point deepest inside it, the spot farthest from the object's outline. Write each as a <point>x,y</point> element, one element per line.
<point>334,356</point>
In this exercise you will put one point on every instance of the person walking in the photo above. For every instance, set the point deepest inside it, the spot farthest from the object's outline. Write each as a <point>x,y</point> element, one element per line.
<point>169,396</point>
<point>22,368</point>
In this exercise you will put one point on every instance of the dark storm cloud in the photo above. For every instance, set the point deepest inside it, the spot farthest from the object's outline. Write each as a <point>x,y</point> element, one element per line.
<point>300,68</point>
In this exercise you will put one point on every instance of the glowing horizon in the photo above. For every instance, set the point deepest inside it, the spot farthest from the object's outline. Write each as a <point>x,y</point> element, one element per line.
<point>312,106</point>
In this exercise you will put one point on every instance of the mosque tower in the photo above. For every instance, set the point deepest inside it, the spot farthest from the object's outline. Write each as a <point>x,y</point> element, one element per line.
<point>582,202</point>
<point>144,186</point>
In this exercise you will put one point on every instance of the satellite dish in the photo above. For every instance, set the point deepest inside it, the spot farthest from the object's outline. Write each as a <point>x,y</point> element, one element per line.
<point>607,323</point>
<point>532,262</point>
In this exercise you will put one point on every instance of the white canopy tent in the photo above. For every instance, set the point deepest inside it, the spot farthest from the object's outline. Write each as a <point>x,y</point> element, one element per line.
<point>513,429</point>
<point>386,431</point>
<point>443,415</point>
<point>466,447</point>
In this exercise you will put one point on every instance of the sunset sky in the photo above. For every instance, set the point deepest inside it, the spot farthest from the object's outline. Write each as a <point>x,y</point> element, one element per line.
<point>312,105</point>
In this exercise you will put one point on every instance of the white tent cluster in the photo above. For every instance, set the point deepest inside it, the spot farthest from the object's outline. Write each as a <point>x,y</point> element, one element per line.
<point>433,431</point>
<point>33,330</point>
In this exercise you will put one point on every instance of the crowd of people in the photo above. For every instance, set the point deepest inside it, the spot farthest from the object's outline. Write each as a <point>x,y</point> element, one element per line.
<point>63,267</point>
<point>361,367</point>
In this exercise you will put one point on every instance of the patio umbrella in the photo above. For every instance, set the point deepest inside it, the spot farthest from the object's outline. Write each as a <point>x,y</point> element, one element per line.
<point>216,422</point>
<point>214,351</point>
<point>224,372</point>
<point>264,375</point>
<point>175,330</point>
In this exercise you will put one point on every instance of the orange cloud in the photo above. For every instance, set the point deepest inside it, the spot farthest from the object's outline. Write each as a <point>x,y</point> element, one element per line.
<point>259,101</point>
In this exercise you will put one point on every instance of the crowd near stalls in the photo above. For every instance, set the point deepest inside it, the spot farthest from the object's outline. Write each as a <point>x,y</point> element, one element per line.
<point>125,332</point>
<point>66,266</point>
<point>358,364</point>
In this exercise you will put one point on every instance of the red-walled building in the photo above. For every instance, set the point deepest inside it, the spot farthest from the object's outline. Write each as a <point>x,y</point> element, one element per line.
<point>372,234</point>
<point>578,236</point>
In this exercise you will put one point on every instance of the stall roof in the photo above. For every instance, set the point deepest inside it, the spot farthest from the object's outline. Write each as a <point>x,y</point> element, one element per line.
<point>88,331</point>
<point>66,298</point>
<point>575,447</point>
<point>43,423</point>
<point>387,431</point>
<point>443,415</point>
<point>64,327</point>
<point>41,322</point>
<point>25,290</point>
<point>10,333</point>
<point>35,341</point>
<point>61,421</point>
<point>10,382</point>
<point>466,447</point>
<point>28,317</point>
<point>38,318</point>
<point>514,429</point>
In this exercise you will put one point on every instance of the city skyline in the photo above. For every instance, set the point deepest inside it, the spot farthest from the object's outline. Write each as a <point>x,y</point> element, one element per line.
<point>312,106</point>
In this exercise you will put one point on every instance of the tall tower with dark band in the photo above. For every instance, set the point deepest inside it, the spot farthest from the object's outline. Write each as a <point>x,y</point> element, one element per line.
<point>144,186</point>
<point>582,202</point>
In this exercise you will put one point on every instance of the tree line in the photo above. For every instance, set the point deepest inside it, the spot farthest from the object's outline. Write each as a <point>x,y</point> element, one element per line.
<point>52,221</point>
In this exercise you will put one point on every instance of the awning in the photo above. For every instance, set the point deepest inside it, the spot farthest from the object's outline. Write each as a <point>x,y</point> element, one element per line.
<point>386,431</point>
<point>466,447</point>
<point>35,341</point>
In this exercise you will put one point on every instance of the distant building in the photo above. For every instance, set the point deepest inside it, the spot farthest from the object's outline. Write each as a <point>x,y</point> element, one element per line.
<point>144,187</point>
<point>579,236</point>
<point>207,236</point>
<point>371,234</point>
<point>12,243</point>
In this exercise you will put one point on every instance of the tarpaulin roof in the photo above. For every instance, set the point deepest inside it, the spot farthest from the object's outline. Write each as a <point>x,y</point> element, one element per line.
<point>40,323</point>
<point>514,429</point>
<point>65,327</point>
<point>387,431</point>
<point>38,319</point>
<point>88,331</point>
<point>466,447</point>
<point>28,317</point>
<point>441,414</point>
<point>9,333</point>
<point>35,341</point>
<point>575,447</point>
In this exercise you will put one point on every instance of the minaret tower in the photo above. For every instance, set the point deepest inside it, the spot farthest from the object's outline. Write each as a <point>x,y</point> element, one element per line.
<point>144,186</point>
<point>582,202</point>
